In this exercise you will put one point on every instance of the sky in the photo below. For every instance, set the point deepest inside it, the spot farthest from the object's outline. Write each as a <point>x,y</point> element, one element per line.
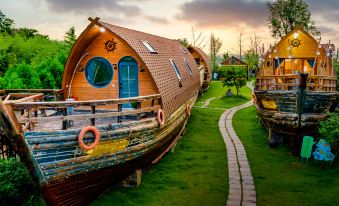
<point>171,18</point>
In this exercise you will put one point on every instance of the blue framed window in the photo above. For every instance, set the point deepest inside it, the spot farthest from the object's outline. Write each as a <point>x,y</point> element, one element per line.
<point>175,69</point>
<point>188,66</point>
<point>98,72</point>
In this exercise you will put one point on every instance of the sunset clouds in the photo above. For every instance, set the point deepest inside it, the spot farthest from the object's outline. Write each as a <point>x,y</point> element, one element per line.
<point>171,19</point>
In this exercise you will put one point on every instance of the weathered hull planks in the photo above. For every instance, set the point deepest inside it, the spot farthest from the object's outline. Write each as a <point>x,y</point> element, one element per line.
<point>71,176</point>
<point>291,115</point>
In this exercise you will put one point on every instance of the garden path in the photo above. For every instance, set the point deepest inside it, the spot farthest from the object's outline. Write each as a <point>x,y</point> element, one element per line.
<point>241,184</point>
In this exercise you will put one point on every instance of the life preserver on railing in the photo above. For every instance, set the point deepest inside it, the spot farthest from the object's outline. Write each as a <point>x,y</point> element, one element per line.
<point>82,134</point>
<point>161,117</point>
<point>187,110</point>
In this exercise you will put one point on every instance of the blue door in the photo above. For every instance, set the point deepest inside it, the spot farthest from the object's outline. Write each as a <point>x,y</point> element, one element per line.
<point>128,79</point>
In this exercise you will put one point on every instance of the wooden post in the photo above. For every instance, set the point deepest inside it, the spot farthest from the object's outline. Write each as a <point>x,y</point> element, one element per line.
<point>93,119</point>
<point>138,107</point>
<point>64,122</point>
<point>152,105</point>
<point>119,110</point>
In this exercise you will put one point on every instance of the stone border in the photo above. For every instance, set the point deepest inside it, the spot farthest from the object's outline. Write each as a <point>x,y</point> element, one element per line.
<point>241,184</point>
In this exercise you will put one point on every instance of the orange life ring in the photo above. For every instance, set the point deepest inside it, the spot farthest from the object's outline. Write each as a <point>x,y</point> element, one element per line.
<point>161,117</point>
<point>82,134</point>
<point>187,110</point>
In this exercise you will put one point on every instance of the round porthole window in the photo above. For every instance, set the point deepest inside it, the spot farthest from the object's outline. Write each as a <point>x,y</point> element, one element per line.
<point>99,72</point>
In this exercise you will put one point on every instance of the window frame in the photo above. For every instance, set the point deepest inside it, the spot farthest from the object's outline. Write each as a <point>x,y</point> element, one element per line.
<point>183,50</point>
<point>176,69</point>
<point>188,67</point>
<point>86,71</point>
<point>150,47</point>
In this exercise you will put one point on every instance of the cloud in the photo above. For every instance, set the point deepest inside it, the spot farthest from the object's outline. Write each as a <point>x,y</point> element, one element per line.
<point>114,7</point>
<point>158,20</point>
<point>221,13</point>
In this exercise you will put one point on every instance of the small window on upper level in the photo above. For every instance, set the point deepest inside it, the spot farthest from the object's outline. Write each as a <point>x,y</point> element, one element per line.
<point>175,69</point>
<point>188,67</point>
<point>149,47</point>
<point>183,50</point>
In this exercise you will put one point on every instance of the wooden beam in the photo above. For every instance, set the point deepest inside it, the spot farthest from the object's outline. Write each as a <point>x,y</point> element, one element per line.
<point>87,116</point>
<point>61,104</point>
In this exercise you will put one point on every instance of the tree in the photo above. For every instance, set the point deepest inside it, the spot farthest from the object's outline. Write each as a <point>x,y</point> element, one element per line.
<point>184,42</point>
<point>215,47</point>
<point>70,37</point>
<point>26,32</point>
<point>225,56</point>
<point>6,24</point>
<point>234,76</point>
<point>255,43</point>
<point>251,59</point>
<point>329,130</point>
<point>285,15</point>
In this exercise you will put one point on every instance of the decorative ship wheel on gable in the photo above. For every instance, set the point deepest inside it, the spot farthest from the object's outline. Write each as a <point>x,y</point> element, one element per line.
<point>110,45</point>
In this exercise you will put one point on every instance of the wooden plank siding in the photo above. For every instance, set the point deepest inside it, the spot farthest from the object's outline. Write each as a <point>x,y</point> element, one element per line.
<point>82,90</point>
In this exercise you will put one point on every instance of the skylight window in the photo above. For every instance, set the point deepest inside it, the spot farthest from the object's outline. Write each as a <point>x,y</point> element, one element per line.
<point>188,67</point>
<point>149,47</point>
<point>183,50</point>
<point>175,69</point>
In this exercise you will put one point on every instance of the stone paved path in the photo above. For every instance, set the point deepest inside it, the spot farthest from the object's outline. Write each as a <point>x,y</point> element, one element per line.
<point>207,102</point>
<point>241,184</point>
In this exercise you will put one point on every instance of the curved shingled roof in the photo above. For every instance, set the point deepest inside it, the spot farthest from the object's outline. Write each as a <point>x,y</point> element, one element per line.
<point>173,93</point>
<point>204,57</point>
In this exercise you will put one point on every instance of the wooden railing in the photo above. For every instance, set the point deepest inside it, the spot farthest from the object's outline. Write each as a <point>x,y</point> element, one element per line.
<point>292,82</point>
<point>26,114</point>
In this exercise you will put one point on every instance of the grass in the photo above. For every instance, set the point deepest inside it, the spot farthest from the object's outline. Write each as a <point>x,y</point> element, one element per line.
<point>216,89</point>
<point>281,179</point>
<point>195,174</point>
<point>228,102</point>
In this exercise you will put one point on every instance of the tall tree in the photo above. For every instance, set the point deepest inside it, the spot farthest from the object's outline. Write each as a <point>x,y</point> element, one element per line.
<point>215,47</point>
<point>285,15</point>
<point>6,24</point>
<point>70,37</point>
<point>255,43</point>
<point>251,59</point>
<point>225,56</point>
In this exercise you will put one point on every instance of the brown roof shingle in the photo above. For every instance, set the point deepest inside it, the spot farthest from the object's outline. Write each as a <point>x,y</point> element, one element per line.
<point>173,95</point>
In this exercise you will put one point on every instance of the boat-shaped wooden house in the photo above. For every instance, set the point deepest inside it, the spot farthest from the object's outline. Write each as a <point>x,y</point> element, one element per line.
<point>125,99</point>
<point>204,65</point>
<point>295,87</point>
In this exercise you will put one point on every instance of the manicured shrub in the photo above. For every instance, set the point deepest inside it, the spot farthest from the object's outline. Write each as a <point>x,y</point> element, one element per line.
<point>16,184</point>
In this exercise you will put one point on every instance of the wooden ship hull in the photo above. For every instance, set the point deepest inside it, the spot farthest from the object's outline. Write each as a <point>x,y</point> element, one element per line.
<point>294,112</point>
<point>80,139</point>
<point>295,92</point>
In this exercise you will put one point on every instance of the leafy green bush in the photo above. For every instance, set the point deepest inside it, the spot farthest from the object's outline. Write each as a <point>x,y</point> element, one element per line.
<point>16,184</point>
<point>329,130</point>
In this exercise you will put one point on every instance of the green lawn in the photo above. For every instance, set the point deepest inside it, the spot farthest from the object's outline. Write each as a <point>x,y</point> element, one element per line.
<point>195,174</point>
<point>228,102</point>
<point>215,90</point>
<point>281,179</point>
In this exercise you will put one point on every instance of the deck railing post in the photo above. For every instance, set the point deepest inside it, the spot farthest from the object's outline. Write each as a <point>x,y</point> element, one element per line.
<point>152,105</point>
<point>93,119</point>
<point>64,122</point>
<point>138,107</point>
<point>119,110</point>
